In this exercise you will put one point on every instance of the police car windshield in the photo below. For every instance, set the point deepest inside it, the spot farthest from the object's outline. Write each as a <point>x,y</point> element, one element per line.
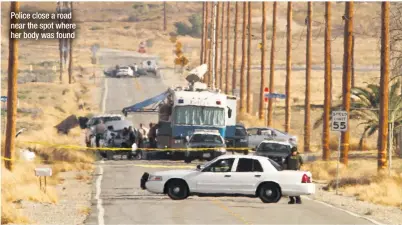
<point>273,147</point>
<point>206,138</point>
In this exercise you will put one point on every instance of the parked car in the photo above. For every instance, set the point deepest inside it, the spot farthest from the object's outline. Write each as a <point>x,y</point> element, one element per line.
<point>238,175</point>
<point>240,139</point>
<point>115,138</point>
<point>257,134</point>
<point>91,123</point>
<point>275,150</point>
<point>124,71</point>
<point>205,139</point>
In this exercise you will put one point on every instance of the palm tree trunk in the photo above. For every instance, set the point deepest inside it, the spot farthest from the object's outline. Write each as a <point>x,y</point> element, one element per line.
<point>217,31</point>
<point>12,91</point>
<point>202,33</point>
<point>288,67</point>
<point>227,48</point>
<point>347,81</point>
<point>272,65</point>
<point>263,47</point>
<point>243,62</point>
<point>222,37</point>
<point>210,48</point>
<point>384,83</point>
<point>164,16</point>
<point>234,75</point>
<point>249,103</point>
<point>327,83</point>
<point>307,124</point>
<point>206,34</point>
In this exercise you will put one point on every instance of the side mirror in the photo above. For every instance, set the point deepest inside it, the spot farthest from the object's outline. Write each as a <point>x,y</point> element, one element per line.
<point>200,167</point>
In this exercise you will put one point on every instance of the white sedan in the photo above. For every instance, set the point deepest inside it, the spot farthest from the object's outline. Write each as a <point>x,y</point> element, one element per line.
<point>227,175</point>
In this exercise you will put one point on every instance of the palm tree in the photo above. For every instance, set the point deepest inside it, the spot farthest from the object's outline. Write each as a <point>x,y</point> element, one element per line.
<point>234,75</point>
<point>243,62</point>
<point>365,103</point>
<point>249,106</point>
<point>264,41</point>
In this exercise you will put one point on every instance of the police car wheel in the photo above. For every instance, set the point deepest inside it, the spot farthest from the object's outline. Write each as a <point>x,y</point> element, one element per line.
<point>269,193</point>
<point>177,190</point>
<point>187,160</point>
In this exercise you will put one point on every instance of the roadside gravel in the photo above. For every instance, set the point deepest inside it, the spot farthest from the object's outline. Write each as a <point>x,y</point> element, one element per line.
<point>379,213</point>
<point>73,206</point>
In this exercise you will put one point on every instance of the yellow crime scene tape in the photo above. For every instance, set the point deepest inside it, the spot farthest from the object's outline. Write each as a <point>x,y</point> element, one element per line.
<point>78,147</point>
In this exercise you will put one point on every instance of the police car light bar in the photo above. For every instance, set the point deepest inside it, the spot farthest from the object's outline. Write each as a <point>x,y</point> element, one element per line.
<point>208,131</point>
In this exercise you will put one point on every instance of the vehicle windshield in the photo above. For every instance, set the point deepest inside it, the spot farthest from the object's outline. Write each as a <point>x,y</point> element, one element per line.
<point>199,115</point>
<point>273,147</point>
<point>275,164</point>
<point>240,131</point>
<point>206,138</point>
<point>124,68</point>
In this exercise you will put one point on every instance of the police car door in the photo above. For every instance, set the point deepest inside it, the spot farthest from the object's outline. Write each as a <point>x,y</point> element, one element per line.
<point>215,178</point>
<point>247,176</point>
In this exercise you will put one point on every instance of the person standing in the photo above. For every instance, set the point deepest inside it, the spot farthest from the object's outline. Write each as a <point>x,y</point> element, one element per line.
<point>100,130</point>
<point>143,134</point>
<point>293,162</point>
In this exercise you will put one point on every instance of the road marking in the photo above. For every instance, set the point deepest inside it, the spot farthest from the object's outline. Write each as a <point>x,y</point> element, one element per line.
<point>161,166</point>
<point>104,97</point>
<point>227,209</point>
<point>101,210</point>
<point>344,210</point>
<point>137,84</point>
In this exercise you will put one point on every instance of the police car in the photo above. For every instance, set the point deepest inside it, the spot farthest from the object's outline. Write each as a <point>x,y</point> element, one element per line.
<point>231,175</point>
<point>210,143</point>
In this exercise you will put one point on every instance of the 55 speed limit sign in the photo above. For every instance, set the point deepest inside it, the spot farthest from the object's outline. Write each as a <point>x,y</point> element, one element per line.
<point>339,121</point>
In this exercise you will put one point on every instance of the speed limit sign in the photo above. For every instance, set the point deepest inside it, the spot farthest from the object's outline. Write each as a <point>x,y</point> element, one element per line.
<point>339,121</point>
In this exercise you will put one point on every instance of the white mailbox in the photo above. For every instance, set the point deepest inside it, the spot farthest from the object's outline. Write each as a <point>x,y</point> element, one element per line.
<point>43,172</point>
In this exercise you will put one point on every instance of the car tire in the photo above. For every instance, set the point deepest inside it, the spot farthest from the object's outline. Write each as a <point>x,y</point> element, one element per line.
<point>269,193</point>
<point>109,155</point>
<point>188,160</point>
<point>177,190</point>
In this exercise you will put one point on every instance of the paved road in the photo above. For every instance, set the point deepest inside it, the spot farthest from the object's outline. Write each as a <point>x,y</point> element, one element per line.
<point>118,198</point>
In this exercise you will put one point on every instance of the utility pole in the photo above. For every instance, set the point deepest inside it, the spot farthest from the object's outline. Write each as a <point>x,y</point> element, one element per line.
<point>249,103</point>
<point>214,44</point>
<point>59,9</point>
<point>347,70</point>
<point>227,48</point>
<point>216,38</point>
<point>272,65</point>
<point>327,83</point>
<point>164,16</point>
<point>384,83</point>
<point>221,45</point>
<point>70,61</point>
<point>263,47</point>
<point>234,75</point>
<point>288,67</point>
<point>353,61</point>
<point>308,77</point>
<point>202,33</point>
<point>12,91</point>
<point>243,62</point>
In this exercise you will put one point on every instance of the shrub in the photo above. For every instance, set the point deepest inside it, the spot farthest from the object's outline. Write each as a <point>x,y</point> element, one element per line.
<point>193,30</point>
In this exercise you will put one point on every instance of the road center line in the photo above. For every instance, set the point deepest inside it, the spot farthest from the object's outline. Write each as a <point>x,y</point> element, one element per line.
<point>101,210</point>
<point>227,209</point>
<point>137,84</point>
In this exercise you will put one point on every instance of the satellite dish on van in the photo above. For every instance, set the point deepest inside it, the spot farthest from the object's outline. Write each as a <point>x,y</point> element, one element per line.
<point>197,74</point>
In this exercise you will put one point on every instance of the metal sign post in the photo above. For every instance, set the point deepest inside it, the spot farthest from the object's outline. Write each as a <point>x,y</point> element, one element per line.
<point>339,123</point>
<point>274,96</point>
